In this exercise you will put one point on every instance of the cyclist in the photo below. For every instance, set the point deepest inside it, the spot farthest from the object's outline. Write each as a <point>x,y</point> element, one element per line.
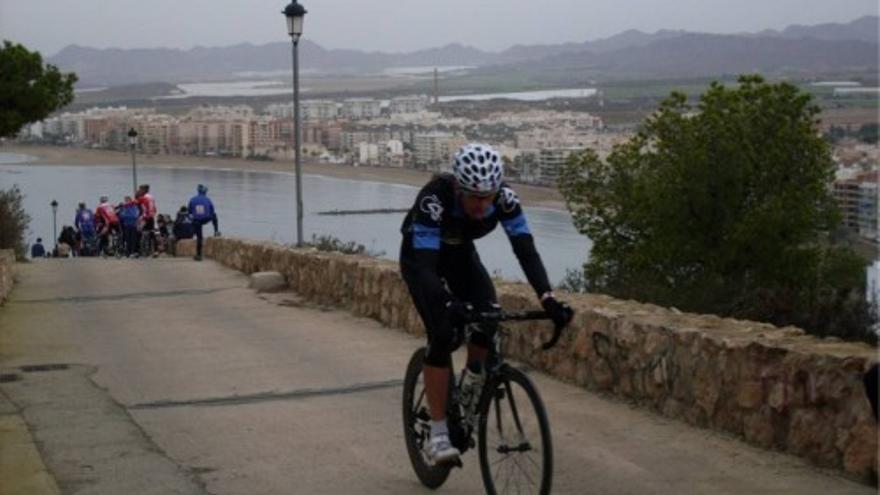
<point>201,209</point>
<point>85,225</point>
<point>148,212</point>
<point>106,217</point>
<point>447,280</point>
<point>183,227</point>
<point>129,214</point>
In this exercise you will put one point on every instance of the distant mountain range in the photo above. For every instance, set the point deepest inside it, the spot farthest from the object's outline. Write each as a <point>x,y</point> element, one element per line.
<point>630,54</point>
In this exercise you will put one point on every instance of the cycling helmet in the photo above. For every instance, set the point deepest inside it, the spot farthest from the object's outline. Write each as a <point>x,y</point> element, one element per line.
<point>202,189</point>
<point>82,205</point>
<point>478,168</point>
<point>104,199</point>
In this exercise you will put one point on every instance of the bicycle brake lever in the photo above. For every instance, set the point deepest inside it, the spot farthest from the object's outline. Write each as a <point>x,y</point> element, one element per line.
<point>557,331</point>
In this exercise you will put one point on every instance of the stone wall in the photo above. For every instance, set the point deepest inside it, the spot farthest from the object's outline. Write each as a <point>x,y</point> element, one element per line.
<point>776,388</point>
<point>7,265</point>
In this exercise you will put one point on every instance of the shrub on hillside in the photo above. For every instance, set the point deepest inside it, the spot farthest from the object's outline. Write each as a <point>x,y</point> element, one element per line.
<point>13,221</point>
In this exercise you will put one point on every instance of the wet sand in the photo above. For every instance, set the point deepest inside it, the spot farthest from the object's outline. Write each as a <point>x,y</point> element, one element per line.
<point>54,155</point>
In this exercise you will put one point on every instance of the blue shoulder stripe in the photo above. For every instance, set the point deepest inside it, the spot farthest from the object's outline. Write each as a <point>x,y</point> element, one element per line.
<point>425,237</point>
<point>516,226</point>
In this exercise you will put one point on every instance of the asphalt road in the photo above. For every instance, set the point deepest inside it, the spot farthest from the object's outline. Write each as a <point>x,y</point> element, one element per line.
<point>182,380</point>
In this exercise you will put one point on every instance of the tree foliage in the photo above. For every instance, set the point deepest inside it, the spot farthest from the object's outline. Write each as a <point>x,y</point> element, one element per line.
<point>13,221</point>
<point>722,207</point>
<point>29,90</point>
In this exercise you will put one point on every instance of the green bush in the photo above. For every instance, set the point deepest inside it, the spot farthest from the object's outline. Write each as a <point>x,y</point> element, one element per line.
<point>13,221</point>
<point>723,207</point>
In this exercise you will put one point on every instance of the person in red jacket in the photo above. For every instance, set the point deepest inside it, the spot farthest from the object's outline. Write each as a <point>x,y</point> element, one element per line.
<point>148,215</point>
<point>107,220</point>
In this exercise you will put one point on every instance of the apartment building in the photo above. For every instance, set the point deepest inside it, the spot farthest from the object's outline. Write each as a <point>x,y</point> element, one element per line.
<point>550,163</point>
<point>434,150</point>
<point>857,199</point>
<point>361,108</point>
<point>408,104</point>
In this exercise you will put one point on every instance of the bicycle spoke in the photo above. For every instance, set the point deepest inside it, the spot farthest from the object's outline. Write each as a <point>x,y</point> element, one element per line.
<point>524,472</point>
<point>506,484</point>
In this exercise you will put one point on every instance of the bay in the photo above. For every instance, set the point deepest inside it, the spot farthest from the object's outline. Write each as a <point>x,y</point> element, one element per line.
<point>261,205</point>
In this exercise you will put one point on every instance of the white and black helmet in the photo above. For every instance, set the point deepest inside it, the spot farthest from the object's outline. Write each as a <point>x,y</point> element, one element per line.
<point>478,168</point>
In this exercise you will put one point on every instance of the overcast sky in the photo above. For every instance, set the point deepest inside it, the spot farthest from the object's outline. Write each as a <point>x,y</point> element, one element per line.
<point>393,25</point>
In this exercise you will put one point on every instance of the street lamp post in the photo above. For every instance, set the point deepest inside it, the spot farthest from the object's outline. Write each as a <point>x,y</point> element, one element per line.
<point>295,13</point>
<point>132,143</point>
<point>54,205</point>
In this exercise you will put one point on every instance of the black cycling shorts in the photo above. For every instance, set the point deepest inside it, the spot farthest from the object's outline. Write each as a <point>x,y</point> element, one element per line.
<point>466,279</point>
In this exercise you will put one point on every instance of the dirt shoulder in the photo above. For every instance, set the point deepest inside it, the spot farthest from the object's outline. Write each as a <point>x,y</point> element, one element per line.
<point>51,155</point>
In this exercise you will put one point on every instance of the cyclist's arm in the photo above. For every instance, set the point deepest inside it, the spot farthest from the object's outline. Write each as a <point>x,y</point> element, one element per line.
<point>513,219</point>
<point>425,234</point>
<point>424,267</point>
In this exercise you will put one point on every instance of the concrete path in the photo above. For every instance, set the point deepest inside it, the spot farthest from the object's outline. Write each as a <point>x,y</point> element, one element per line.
<point>181,380</point>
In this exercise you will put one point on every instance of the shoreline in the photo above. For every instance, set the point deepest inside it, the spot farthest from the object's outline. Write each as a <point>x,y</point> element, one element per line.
<point>532,196</point>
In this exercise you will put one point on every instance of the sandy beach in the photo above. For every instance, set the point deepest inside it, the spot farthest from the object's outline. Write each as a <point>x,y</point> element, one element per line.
<point>53,155</point>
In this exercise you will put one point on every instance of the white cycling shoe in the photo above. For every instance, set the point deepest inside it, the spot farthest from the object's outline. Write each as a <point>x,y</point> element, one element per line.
<point>440,450</point>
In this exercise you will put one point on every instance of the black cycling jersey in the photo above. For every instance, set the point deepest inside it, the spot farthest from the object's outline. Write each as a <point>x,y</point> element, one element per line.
<point>436,222</point>
<point>438,252</point>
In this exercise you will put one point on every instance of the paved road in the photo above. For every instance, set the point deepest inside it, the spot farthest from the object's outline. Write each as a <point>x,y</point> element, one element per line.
<point>181,380</point>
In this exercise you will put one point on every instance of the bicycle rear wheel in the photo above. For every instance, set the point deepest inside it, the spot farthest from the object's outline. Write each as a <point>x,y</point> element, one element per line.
<point>516,450</point>
<point>417,423</point>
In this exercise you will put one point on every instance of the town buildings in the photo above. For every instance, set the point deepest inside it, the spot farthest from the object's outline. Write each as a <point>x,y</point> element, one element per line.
<point>400,132</point>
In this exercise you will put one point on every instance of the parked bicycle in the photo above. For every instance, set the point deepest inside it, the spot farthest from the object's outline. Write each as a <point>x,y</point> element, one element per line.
<point>513,433</point>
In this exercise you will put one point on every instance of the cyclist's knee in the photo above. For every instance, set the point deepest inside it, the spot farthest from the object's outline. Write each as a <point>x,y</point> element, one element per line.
<point>440,349</point>
<point>482,335</point>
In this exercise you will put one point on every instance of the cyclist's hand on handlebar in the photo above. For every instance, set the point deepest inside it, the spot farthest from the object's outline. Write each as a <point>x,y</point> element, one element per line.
<point>559,312</point>
<point>459,312</point>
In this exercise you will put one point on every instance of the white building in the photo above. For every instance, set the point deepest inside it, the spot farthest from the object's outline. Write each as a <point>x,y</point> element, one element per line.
<point>408,104</point>
<point>319,110</point>
<point>550,162</point>
<point>433,150</point>
<point>368,154</point>
<point>361,108</point>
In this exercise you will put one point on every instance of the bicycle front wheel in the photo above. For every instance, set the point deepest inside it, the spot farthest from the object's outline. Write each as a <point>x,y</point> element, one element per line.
<point>516,451</point>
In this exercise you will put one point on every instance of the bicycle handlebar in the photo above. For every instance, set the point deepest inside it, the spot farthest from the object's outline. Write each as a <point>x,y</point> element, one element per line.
<point>523,315</point>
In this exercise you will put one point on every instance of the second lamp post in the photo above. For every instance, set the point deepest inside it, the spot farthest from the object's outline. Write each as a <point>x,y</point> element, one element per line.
<point>295,14</point>
<point>132,143</point>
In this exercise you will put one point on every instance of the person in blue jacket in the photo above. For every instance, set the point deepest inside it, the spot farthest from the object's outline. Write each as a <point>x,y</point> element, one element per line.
<point>201,209</point>
<point>85,226</point>
<point>37,250</point>
<point>129,215</point>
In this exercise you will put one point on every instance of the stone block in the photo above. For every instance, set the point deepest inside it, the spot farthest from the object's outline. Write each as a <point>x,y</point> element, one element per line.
<point>267,281</point>
<point>750,394</point>
<point>758,428</point>
<point>185,248</point>
<point>860,457</point>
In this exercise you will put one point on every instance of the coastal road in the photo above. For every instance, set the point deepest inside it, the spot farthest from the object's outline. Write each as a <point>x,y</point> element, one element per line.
<point>179,379</point>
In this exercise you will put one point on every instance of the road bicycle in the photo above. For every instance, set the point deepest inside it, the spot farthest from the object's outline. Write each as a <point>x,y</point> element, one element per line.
<point>513,433</point>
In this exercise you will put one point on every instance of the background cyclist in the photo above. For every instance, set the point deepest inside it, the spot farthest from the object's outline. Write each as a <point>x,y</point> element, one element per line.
<point>105,215</point>
<point>201,209</point>
<point>148,212</point>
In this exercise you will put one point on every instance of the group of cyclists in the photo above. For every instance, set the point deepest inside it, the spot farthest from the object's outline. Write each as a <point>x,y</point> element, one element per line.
<point>134,228</point>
